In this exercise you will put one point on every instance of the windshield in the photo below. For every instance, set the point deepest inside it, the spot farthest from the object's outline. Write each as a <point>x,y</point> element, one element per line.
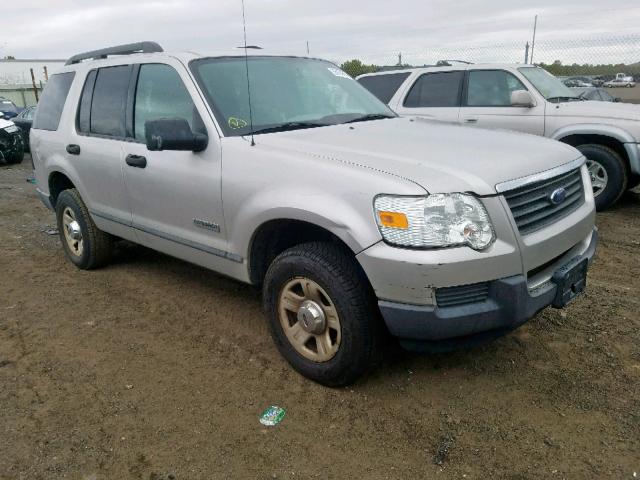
<point>549,86</point>
<point>286,93</point>
<point>7,106</point>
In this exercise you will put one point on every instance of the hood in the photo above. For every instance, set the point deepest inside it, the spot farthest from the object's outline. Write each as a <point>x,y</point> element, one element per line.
<point>439,157</point>
<point>5,123</point>
<point>603,110</point>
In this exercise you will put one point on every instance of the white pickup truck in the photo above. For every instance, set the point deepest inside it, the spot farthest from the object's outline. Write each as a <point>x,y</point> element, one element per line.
<point>527,99</point>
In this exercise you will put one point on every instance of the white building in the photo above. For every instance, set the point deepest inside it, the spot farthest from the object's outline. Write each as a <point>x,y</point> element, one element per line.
<point>18,72</point>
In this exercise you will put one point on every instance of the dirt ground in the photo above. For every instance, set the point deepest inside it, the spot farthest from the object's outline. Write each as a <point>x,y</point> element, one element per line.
<point>155,369</point>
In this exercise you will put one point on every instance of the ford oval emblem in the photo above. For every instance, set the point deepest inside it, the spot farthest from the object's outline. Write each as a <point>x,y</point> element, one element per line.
<point>558,196</point>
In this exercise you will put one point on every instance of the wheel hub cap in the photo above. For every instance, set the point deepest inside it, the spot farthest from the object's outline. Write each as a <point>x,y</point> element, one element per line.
<point>72,233</point>
<point>311,317</point>
<point>598,175</point>
<point>74,230</point>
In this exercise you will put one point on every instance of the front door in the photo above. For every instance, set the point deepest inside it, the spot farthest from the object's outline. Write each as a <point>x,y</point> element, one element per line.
<point>175,196</point>
<point>487,103</point>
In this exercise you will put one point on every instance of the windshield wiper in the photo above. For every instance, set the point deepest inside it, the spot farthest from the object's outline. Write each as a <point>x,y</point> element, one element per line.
<point>370,116</point>
<point>561,98</point>
<point>283,127</point>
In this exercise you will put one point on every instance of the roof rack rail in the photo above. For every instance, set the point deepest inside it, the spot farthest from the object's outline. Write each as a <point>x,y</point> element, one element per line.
<point>128,49</point>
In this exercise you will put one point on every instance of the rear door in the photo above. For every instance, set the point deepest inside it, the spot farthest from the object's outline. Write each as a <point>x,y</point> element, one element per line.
<point>434,95</point>
<point>96,148</point>
<point>487,103</point>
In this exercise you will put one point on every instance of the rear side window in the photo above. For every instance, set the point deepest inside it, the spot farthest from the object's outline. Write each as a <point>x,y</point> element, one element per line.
<point>441,89</point>
<point>384,86</point>
<point>84,113</point>
<point>52,101</point>
<point>109,102</point>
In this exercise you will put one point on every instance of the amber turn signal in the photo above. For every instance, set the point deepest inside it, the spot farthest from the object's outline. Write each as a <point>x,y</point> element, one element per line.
<point>393,220</point>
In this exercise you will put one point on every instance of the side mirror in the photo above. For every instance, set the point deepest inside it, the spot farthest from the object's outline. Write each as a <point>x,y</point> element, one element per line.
<point>522,98</point>
<point>173,134</point>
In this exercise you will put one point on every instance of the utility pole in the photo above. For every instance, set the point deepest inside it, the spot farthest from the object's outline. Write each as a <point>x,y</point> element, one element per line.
<point>307,47</point>
<point>46,74</point>
<point>400,59</point>
<point>533,43</point>
<point>33,82</point>
<point>526,54</point>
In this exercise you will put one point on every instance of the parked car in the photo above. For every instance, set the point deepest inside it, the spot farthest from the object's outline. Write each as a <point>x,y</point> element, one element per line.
<point>595,94</point>
<point>527,99</point>
<point>8,108</point>
<point>11,146</point>
<point>24,120</point>
<point>620,82</point>
<point>577,82</point>
<point>346,214</point>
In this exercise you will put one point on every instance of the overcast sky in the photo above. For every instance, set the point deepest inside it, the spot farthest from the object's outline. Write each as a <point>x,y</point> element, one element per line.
<point>336,29</point>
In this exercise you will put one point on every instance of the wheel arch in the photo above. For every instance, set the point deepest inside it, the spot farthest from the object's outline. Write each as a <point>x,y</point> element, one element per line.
<point>57,183</point>
<point>616,138</point>
<point>274,236</point>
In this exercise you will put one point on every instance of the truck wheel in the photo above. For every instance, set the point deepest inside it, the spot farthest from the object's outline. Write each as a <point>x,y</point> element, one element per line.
<point>322,315</point>
<point>85,245</point>
<point>608,173</point>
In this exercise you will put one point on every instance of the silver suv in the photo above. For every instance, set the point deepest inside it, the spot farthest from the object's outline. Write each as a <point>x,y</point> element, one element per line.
<point>354,221</point>
<point>527,99</point>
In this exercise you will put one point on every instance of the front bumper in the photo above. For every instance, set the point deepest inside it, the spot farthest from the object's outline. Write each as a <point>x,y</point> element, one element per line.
<point>509,304</point>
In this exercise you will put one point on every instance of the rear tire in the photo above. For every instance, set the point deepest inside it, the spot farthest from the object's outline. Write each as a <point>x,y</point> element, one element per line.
<point>84,244</point>
<point>608,173</point>
<point>347,339</point>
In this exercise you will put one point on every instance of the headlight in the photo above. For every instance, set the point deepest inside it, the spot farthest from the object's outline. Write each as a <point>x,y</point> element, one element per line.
<point>439,220</point>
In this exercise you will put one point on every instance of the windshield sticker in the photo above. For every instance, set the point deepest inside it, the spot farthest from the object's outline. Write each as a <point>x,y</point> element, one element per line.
<point>236,123</point>
<point>338,73</point>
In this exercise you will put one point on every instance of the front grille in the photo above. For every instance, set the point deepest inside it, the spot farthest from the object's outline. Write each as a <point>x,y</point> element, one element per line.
<point>531,204</point>
<point>463,295</point>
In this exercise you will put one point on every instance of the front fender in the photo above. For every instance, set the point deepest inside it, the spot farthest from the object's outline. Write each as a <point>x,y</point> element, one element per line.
<point>354,225</point>
<point>620,134</point>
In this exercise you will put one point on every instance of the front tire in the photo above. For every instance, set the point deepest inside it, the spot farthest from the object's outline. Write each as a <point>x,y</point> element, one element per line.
<point>322,313</point>
<point>84,244</point>
<point>608,172</point>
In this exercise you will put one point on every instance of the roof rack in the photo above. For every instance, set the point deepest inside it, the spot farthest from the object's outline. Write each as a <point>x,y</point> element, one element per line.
<point>447,63</point>
<point>128,49</point>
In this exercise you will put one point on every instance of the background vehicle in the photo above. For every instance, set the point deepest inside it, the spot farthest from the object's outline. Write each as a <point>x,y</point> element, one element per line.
<point>620,82</point>
<point>449,234</point>
<point>595,94</point>
<point>24,120</point>
<point>577,82</point>
<point>527,99</point>
<point>11,146</point>
<point>8,108</point>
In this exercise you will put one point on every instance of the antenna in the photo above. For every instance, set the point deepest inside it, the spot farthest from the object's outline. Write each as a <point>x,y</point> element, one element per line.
<point>246,64</point>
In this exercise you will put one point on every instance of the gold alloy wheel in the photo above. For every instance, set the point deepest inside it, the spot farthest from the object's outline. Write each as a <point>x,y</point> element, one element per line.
<point>309,319</point>
<point>72,232</point>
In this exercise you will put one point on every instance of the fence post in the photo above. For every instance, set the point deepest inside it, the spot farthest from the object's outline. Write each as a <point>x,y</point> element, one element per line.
<point>24,99</point>
<point>46,74</point>
<point>35,88</point>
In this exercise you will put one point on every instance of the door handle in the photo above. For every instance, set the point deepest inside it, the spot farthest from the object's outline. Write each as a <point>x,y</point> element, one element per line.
<point>73,149</point>
<point>137,161</point>
<point>470,120</point>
